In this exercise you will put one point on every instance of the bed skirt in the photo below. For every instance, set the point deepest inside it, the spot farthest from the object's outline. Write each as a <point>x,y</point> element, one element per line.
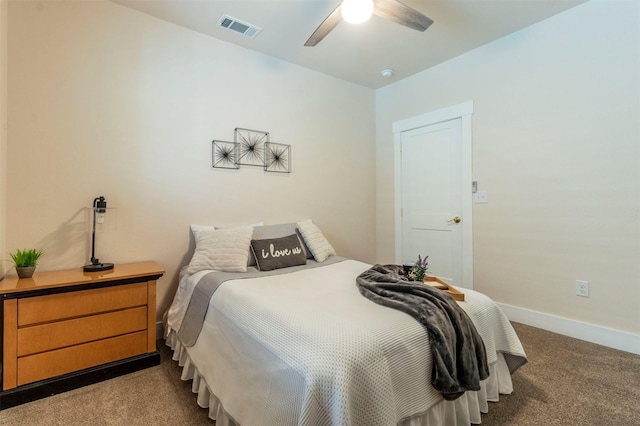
<point>465,410</point>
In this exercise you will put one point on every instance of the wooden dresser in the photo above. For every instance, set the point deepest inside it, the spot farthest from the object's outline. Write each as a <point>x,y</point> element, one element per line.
<point>66,329</point>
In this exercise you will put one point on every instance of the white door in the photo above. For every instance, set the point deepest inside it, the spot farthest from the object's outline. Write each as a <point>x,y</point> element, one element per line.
<point>431,198</point>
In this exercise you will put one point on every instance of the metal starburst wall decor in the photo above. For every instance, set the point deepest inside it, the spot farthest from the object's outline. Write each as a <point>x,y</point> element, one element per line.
<point>277,157</point>
<point>251,144</point>
<point>252,148</point>
<point>225,155</point>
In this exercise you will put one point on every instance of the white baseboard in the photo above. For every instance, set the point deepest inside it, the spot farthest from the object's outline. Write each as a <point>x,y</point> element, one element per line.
<point>622,340</point>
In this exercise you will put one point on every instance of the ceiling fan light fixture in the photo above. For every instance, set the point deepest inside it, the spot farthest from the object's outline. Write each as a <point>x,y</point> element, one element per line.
<point>356,11</point>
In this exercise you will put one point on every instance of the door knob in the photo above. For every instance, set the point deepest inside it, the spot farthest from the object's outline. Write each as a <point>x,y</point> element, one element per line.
<point>455,219</point>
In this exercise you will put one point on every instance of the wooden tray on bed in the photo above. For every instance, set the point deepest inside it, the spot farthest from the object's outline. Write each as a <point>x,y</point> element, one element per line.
<point>439,284</point>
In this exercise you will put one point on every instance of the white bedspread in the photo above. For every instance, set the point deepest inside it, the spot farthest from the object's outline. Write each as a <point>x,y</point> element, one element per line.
<point>306,348</point>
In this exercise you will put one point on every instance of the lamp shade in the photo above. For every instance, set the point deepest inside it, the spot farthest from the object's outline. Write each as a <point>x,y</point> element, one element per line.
<point>356,11</point>
<point>99,209</point>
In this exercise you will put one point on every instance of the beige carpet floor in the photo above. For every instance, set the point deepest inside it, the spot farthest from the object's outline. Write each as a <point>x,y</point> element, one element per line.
<point>566,382</point>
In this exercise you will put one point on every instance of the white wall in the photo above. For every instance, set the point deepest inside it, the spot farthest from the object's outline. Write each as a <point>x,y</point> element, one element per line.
<point>107,101</point>
<point>556,143</point>
<point>102,100</point>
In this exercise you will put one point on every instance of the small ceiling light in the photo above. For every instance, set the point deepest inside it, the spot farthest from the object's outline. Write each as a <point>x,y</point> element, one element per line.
<point>387,73</point>
<point>356,11</point>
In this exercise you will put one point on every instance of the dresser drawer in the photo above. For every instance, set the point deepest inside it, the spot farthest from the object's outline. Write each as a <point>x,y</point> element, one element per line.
<point>59,334</point>
<point>54,363</point>
<point>54,307</point>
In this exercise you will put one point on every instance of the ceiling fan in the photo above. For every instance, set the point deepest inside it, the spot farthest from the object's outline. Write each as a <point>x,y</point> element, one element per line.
<point>391,10</point>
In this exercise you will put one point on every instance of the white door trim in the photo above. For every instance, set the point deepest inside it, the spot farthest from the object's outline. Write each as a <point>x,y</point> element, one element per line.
<point>464,111</point>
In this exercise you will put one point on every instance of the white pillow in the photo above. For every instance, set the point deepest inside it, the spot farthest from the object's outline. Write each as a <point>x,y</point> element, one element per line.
<point>315,240</point>
<point>197,229</point>
<point>224,250</point>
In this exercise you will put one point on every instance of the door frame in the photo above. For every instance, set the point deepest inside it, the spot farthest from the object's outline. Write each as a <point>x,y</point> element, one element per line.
<point>464,111</point>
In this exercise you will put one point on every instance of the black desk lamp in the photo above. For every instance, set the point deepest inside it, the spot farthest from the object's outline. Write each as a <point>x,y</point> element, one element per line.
<point>99,207</point>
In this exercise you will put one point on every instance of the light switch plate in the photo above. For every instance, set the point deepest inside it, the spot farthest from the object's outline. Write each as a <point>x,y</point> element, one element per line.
<point>480,197</point>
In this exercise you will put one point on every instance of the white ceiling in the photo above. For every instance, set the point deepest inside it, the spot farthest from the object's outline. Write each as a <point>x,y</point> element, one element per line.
<point>358,53</point>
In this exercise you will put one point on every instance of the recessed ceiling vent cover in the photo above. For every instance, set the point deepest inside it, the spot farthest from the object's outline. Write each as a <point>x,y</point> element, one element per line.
<point>235,25</point>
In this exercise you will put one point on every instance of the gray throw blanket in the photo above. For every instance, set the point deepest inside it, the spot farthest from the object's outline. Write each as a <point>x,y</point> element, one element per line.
<point>459,357</point>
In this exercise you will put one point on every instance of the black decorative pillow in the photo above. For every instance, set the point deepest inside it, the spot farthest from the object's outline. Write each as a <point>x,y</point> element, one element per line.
<point>276,253</point>
<point>278,231</point>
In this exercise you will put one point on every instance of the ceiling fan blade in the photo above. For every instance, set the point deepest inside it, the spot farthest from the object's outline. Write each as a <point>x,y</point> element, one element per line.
<point>402,14</point>
<point>325,28</point>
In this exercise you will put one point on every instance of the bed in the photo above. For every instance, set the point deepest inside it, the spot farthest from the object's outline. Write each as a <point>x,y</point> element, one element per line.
<point>298,344</point>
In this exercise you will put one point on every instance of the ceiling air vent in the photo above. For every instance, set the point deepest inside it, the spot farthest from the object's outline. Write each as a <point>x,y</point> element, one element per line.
<point>235,25</point>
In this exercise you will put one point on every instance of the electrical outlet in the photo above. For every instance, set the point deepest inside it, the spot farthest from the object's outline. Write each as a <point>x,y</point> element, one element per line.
<point>480,197</point>
<point>582,288</point>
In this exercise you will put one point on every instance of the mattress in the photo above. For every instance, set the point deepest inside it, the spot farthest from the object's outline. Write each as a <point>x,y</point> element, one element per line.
<point>305,348</point>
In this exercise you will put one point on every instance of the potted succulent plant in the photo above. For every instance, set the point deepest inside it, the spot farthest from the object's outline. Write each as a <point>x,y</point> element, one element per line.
<point>26,261</point>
